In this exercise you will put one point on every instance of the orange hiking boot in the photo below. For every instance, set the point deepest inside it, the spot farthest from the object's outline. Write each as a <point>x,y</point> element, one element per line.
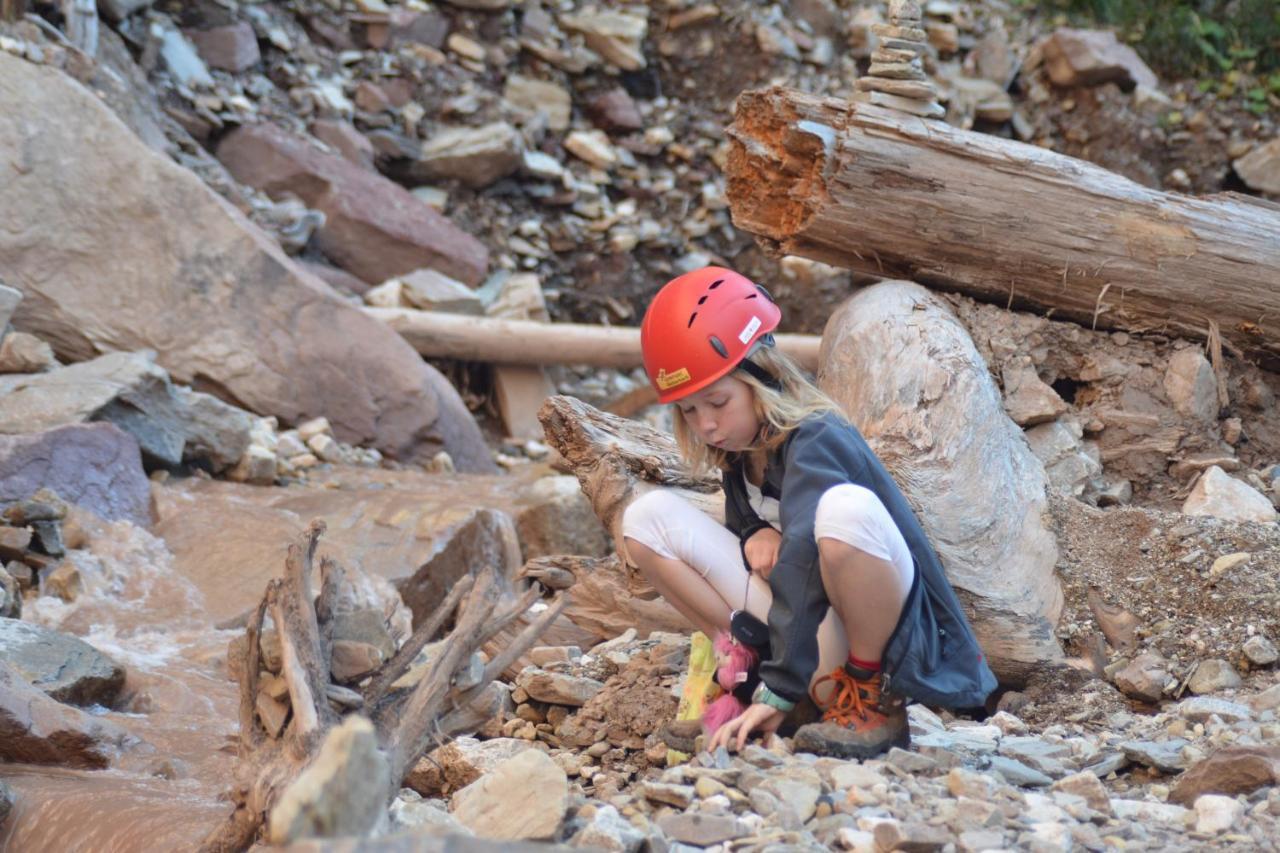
<point>858,720</point>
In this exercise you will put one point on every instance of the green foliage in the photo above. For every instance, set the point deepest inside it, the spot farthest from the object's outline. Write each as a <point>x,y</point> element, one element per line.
<point>1187,38</point>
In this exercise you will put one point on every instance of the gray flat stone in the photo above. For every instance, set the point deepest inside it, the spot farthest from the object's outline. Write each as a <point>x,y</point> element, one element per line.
<point>62,666</point>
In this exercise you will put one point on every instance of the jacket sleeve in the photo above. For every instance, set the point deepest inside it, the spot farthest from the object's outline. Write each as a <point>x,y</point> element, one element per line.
<point>813,463</point>
<point>739,517</point>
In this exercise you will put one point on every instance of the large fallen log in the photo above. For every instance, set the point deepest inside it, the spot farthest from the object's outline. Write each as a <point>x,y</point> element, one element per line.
<point>438,334</point>
<point>616,461</point>
<point>283,789</point>
<point>886,193</point>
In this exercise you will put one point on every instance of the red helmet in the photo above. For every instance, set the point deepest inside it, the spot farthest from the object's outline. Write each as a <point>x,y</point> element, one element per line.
<point>701,326</point>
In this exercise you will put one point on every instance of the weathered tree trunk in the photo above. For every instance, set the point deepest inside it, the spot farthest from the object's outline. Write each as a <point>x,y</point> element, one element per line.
<point>886,193</point>
<point>12,10</point>
<point>408,718</point>
<point>82,24</point>
<point>437,334</point>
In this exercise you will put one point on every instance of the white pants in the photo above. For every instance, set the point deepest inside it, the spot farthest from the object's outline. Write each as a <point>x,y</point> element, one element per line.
<point>673,528</point>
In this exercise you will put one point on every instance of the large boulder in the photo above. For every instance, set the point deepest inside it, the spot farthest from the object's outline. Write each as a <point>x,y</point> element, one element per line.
<point>902,366</point>
<point>35,729</point>
<point>96,466</point>
<point>373,227</point>
<point>65,667</point>
<point>147,257</point>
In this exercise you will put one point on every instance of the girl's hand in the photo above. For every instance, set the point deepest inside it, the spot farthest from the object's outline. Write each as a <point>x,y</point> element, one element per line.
<point>761,550</point>
<point>765,718</point>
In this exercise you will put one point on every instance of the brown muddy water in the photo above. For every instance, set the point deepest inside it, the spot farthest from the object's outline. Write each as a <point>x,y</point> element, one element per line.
<point>164,791</point>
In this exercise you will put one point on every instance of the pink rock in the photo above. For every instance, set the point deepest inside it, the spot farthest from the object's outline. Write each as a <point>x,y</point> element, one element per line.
<point>615,110</point>
<point>1093,57</point>
<point>233,48</point>
<point>348,141</point>
<point>374,228</point>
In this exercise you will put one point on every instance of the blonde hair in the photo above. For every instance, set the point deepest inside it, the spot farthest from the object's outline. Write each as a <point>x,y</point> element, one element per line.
<point>779,411</point>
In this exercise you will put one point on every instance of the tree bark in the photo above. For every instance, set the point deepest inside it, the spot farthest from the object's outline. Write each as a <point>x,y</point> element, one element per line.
<point>454,695</point>
<point>885,193</point>
<point>441,335</point>
<point>12,10</point>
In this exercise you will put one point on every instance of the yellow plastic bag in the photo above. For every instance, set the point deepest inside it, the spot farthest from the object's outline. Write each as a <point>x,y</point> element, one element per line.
<point>700,688</point>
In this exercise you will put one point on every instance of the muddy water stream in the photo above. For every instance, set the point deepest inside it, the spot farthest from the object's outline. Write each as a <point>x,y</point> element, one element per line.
<point>163,791</point>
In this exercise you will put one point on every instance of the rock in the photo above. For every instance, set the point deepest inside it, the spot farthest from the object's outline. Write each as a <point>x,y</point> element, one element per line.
<point>1216,814</point>
<point>1027,399</point>
<point>1220,495</point>
<point>65,667</point>
<point>36,729</point>
<point>343,137</point>
<point>63,581</point>
<point>7,799</point>
<point>523,797</point>
<point>1088,786</point>
<point>592,147</point>
<point>477,156</point>
<point>1093,57</point>
<point>966,783</point>
<point>127,389</point>
<point>1227,562</point>
<point>181,59</point>
<point>615,111</point>
<point>231,48</point>
<point>1166,756</point>
<point>617,36</point>
<point>429,290</point>
<point>671,794</point>
<point>540,96</point>
<point>352,660</point>
<point>796,785</point>
<point>1260,168</point>
<point>10,596</point>
<point>1213,675</point>
<point>96,466</point>
<point>1017,773</point>
<point>1199,709</point>
<point>1143,811</point>
<point>1072,468</point>
<point>340,793</point>
<point>245,318</point>
<point>9,299</point>
<point>456,765</point>
<point>607,830</point>
<point>1230,770</point>
<point>702,830</point>
<point>517,297</point>
<point>1260,651</point>
<point>560,521</point>
<point>373,227</point>
<point>914,836</point>
<point>556,687</point>
<point>976,458</point>
<point>23,353</point>
<point>1191,386</point>
<point>1144,678</point>
<point>273,712</point>
<point>216,433</point>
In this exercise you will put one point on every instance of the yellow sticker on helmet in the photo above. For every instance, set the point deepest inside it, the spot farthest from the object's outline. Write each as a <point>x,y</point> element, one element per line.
<point>667,381</point>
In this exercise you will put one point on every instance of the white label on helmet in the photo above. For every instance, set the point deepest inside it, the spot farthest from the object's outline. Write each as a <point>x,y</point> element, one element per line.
<point>749,330</point>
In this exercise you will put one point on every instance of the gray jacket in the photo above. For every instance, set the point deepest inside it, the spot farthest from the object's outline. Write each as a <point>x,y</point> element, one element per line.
<point>932,655</point>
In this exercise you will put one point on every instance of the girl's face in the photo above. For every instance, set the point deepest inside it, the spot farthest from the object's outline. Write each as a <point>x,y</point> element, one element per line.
<point>723,414</point>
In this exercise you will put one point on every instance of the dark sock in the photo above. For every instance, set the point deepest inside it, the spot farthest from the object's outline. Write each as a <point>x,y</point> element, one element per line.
<point>870,666</point>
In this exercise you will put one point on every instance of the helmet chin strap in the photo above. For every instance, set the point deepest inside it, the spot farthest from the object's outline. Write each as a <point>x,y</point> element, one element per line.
<point>757,372</point>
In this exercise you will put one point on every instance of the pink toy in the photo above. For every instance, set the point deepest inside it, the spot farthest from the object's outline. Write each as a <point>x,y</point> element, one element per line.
<point>734,661</point>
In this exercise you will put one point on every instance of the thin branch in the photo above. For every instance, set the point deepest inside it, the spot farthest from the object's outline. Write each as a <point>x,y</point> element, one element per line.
<point>515,612</point>
<point>403,659</point>
<point>250,733</point>
<point>519,645</point>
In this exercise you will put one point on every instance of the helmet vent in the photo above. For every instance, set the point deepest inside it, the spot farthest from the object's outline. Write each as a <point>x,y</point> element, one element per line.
<point>692,317</point>
<point>716,284</point>
<point>754,296</point>
<point>702,300</point>
<point>719,347</point>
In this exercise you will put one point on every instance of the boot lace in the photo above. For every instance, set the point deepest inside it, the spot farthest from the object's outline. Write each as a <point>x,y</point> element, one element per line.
<point>844,703</point>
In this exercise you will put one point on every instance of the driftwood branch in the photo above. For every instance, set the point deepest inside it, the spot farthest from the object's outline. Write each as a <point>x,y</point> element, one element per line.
<point>437,334</point>
<point>885,193</point>
<point>454,695</point>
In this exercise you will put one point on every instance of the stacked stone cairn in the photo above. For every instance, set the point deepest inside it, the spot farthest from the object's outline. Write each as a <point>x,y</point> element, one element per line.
<point>896,78</point>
